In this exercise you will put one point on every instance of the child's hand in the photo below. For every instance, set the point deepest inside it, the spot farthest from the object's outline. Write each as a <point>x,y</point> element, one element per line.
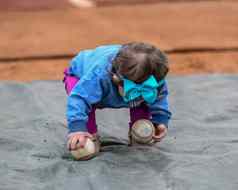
<point>160,132</point>
<point>77,139</point>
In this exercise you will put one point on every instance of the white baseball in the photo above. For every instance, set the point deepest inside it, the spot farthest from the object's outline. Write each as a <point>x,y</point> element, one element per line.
<point>142,131</point>
<point>81,153</point>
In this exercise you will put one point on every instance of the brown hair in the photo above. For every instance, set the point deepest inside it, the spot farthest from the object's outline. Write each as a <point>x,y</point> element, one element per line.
<point>137,61</point>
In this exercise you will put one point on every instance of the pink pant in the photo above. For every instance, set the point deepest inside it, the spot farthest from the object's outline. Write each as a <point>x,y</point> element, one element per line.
<point>141,112</point>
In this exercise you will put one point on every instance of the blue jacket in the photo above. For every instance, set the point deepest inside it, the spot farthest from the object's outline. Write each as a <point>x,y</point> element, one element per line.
<point>95,87</point>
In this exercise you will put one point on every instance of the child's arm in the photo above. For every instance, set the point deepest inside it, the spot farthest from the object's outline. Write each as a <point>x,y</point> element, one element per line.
<point>160,108</point>
<point>160,113</point>
<point>87,91</point>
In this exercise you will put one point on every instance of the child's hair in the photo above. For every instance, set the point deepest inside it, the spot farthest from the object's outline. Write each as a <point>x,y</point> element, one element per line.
<point>137,61</point>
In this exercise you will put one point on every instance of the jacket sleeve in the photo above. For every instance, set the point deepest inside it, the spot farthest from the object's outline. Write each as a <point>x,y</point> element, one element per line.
<point>76,64</point>
<point>160,108</point>
<point>87,92</point>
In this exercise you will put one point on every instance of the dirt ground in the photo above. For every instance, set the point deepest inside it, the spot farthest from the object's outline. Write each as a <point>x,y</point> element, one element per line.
<point>195,63</point>
<point>32,5</point>
<point>63,30</point>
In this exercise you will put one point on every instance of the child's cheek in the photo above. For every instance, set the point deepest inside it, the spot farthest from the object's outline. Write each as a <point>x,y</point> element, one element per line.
<point>120,89</point>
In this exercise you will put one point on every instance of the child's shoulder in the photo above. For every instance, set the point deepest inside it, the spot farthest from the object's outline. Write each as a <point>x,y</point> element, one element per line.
<point>105,51</point>
<point>102,49</point>
<point>97,54</point>
<point>97,61</point>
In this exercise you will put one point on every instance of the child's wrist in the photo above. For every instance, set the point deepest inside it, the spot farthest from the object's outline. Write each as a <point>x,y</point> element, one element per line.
<point>77,126</point>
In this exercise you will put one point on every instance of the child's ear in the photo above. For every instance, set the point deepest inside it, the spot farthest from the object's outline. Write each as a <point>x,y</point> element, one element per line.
<point>116,80</point>
<point>161,72</point>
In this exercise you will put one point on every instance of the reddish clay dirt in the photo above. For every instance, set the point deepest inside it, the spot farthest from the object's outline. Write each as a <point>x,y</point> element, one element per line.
<point>195,63</point>
<point>127,2</point>
<point>23,5</point>
<point>20,5</point>
<point>102,3</point>
<point>204,63</point>
<point>167,25</point>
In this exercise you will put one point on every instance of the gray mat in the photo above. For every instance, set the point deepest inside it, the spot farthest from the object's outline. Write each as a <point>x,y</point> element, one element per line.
<point>200,152</point>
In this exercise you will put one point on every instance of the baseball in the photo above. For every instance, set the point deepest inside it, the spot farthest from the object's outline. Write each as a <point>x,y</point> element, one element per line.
<point>142,131</point>
<point>85,153</point>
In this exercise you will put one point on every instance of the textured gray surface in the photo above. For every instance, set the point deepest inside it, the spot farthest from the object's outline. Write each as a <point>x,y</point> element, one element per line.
<point>200,152</point>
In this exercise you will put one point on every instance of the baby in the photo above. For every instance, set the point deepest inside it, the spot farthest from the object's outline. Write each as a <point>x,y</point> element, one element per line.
<point>116,76</point>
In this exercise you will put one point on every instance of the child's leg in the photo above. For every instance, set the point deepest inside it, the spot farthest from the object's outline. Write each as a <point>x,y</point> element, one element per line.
<point>141,112</point>
<point>137,113</point>
<point>70,82</point>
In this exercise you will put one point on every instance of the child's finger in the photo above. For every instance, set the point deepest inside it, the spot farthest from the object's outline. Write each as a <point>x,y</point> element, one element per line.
<point>80,133</point>
<point>82,141</point>
<point>69,143</point>
<point>78,139</point>
<point>74,142</point>
<point>89,135</point>
<point>160,136</point>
